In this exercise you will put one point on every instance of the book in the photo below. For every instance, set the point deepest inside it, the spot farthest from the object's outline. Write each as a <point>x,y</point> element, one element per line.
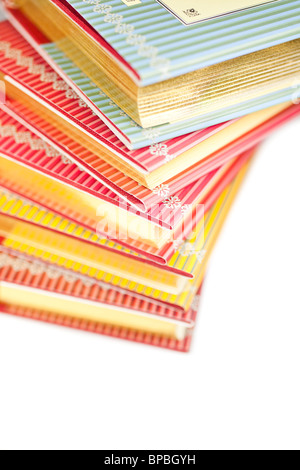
<point>124,141</point>
<point>32,289</point>
<point>31,171</point>
<point>59,183</point>
<point>192,256</point>
<point>132,135</point>
<point>216,84</point>
<point>46,100</point>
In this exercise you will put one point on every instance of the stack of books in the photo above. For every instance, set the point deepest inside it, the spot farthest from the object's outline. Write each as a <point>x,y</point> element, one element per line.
<point>126,130</point>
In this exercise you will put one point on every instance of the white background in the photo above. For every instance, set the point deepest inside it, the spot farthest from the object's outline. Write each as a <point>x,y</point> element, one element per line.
<point>239,387</point>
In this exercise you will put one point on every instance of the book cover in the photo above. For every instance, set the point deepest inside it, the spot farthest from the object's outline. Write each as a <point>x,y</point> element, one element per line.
<point>25,284</point>
<point>191,256</point>
<point>132,135</point>
<point>146,35</point>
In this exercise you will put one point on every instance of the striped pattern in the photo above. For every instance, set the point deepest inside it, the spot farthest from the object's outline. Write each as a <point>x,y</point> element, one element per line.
<point>137,136</point>
<point>163,255</point>
<point>162,132</point>
<point>98,328</point>
<point>39,77</point>
<point>61,284</point>
<point>126,188</point>
<point>25,210</point>
<point>121,185</point>
<point>72,223</point>
<point>92,327</point>
<point>127,247</point>
<point>191,257</point>
<point>185,49</point>
<point>131,247</point>
<point>161,213</point>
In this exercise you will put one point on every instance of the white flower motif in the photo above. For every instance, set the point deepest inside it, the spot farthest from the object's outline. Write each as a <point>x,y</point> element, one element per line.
<point>135,39</point>
<point>27,138</point>
<point>151,133</point>
<point>138,40</point>
<point>53,273</point>
<point>102,8</point>
<point>169,158</point>
<point>4,260</point>
<point>146,50</point>
<point>113,18</point>
<point>185,208</point>
<point>80,168</point>
<point>69,278</point>
<point>159,150</point>
<point>112,104</point>
<point>177,244</point>
<point>131,122</point>
<point>20,265</point>
<point>36,269</point>
<point>162,190</point>
<point>186,249</point>
<point>83,104</point>
<point>173,202</point>
<point>123,28</point>
<point>70,93</point>
<point>66,160</point>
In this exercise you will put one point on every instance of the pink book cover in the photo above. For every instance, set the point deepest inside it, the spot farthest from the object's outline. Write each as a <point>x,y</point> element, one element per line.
<point>123,186</point>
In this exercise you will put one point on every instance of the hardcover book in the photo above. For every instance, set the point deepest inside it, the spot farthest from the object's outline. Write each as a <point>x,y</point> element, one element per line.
<point>124,51</point>
<point>32,289</point>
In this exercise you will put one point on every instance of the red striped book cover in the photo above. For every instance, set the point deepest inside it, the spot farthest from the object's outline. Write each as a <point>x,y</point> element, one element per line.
<point>36,277</point>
